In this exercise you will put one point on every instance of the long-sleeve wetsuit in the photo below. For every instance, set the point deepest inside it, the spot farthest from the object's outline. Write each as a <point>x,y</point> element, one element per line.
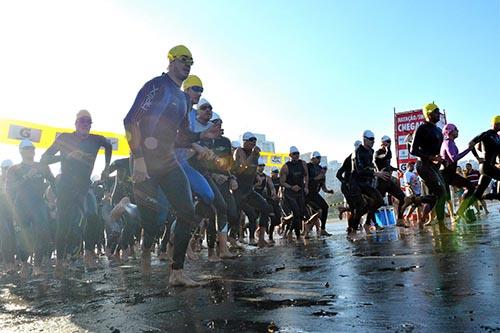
<point>426,145</point>
<point>155,125</point>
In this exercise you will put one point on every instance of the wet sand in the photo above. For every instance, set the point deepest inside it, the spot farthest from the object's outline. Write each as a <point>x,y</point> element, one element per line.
<point>396,280</point>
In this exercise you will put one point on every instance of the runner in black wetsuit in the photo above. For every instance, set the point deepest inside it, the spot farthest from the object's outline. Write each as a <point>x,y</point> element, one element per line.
<point>426,146</point>
<point>383,158</point>
<point>264,186</point>
<point>155,125</point>
<point>123,186</point>
<point>489,168</point>
<point>313,198</point>
<point>25,185</point>
<point>344,174</point>
<point>294,179</point>
<point>207,118</point>
<point>219,170</point>
<point>78,152</point>
<point>362,181</point>
<point>275,202</point>
<point>245,169</point>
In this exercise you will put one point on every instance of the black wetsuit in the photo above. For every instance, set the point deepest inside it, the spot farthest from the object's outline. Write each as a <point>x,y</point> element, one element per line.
<point>276,217</point>
<point>427,142</point>
<point>296,200</point>
<point>77,157</point>
<point>362,184</point>
<point>219,171</point>
<point>245,195</point>
<point>383,158</point>
<point>25,189</point>
<point>313,198</point>
<point>344,175</point>
<point>155,125</point>
<point>490,141</point>
<point>123,181</point>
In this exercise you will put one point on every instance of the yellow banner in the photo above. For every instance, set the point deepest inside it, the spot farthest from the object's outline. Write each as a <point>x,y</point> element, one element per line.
<point>274,159</point>
<point>13,131</point>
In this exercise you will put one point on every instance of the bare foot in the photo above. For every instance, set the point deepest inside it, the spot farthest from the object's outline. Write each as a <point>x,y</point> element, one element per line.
<point>212,256</point>
<point>163,256</point>
<point>178,279</point>
<point>262,243</point>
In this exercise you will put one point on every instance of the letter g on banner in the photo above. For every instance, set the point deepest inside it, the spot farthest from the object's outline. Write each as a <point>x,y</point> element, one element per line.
<point>17,132</point>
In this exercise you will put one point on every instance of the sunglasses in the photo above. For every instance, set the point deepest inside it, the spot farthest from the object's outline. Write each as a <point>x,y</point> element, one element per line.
<point>197,89</point>
<point>186,60</point>
<point>252,140</point>
<point>205,107</point>
<point>369,139</point>
<point>295,154</point>
<point>262,165</point>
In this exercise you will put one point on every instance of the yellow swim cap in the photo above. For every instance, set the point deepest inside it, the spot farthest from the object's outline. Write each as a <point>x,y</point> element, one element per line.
<point>495,120</point>
<point>191,81</point>
<point>178,51</point>
<point>428,109</point>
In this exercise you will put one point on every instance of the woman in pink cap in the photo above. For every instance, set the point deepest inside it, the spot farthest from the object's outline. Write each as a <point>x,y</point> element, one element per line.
<point>451,156</point>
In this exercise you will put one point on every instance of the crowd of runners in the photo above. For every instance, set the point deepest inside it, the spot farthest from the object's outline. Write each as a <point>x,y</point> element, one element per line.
<point>185,185</point>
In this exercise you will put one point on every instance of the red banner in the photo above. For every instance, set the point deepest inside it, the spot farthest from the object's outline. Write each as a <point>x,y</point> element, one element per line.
<point>405,124</point>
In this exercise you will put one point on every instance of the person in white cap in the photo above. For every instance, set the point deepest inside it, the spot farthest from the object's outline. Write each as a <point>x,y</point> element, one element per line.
<point>294,178</point>
<point>275,202</point>
<point>362,181</point>
<point>246,159</point>
<point>317,177</point>
<point>25,186</point>
<point>77,154</point>
<point>204,115</point>
<point>344,175</point>
<point>383,157</point>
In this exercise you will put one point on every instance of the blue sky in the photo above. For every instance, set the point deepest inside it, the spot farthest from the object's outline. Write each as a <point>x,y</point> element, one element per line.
<point>313,74</point>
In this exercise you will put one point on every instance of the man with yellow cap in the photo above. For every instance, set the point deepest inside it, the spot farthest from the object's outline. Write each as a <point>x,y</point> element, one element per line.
<point>426,146</point>
<point>156,124</point>
<point>77,154</point>
<point>193,87</point>
<point>490,142</point>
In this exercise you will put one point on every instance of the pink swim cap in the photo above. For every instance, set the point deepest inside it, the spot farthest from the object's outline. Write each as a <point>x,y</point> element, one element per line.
<point>448,128</point>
